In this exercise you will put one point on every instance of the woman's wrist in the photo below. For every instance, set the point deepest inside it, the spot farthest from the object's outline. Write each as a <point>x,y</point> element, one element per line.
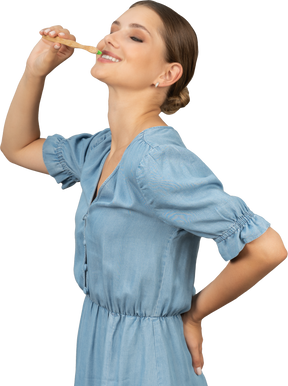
<point>194,314</point>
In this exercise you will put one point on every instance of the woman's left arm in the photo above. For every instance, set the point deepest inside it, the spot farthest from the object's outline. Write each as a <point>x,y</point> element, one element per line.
<point>256,260</point>
<point>231,283</point>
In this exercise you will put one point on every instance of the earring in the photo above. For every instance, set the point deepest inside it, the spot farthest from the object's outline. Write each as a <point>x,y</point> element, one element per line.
<point>157,84</point>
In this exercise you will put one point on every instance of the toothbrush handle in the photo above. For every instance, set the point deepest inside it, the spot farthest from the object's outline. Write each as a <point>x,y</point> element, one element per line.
<point>71,43</point>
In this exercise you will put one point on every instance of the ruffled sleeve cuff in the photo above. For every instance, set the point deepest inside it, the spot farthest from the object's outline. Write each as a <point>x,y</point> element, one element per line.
<point>60,174</point>
<point>247,228</point>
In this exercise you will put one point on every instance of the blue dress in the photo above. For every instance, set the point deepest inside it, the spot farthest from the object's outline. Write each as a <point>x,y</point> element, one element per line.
<point>136,247</point>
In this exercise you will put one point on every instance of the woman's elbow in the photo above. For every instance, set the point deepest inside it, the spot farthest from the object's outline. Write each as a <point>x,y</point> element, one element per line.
<point>271,245</point>
<point>268,248</point>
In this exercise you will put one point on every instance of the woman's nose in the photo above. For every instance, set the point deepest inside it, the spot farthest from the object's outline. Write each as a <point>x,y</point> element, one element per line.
<point>112,40</point>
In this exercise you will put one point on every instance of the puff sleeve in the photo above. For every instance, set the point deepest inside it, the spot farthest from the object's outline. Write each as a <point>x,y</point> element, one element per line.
<point>185,193</point>
<point>64,158</point>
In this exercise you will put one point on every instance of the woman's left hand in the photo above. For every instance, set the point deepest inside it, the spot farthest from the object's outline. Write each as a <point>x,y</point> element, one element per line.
<point>194,339</point>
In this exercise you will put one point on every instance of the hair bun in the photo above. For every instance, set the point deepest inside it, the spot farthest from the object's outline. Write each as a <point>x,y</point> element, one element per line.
<point>174,105</point>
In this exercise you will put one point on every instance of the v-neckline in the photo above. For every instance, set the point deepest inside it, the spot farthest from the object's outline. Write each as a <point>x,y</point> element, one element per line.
<point>101,170</point>
<point>110,175</point>
<point>115,169</point>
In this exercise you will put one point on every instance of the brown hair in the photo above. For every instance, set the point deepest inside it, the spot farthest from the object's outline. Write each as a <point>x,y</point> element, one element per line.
<point>181,47</point>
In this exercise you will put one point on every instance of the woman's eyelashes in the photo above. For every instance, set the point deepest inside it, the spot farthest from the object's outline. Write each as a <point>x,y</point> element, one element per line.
<point>138,40</point>
<point>133,37</point>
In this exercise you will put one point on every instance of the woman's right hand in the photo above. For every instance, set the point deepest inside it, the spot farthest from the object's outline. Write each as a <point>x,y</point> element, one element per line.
<point>44,57</point>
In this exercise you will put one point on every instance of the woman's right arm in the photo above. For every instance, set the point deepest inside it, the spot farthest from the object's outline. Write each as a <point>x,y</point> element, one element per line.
<point>21,142</point>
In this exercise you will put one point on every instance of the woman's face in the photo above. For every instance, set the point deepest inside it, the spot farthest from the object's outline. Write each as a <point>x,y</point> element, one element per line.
<point>142,53</point>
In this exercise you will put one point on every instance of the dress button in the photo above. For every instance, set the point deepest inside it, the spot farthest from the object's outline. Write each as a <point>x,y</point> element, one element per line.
<point>85,267</point>
<point>84,217</point>
<point>84,242</point>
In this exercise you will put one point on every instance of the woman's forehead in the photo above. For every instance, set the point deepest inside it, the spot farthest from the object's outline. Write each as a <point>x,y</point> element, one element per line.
<point>139,15</point>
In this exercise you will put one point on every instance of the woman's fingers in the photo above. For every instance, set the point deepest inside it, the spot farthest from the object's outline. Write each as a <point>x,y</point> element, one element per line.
<point>60,29</point>
<point>194,339</point>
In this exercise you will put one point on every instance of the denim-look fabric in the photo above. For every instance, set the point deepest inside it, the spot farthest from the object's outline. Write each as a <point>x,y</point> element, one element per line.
<point>136,250</point>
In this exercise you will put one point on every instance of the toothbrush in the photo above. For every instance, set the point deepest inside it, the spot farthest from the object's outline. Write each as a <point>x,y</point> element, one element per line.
<point>71,43</point>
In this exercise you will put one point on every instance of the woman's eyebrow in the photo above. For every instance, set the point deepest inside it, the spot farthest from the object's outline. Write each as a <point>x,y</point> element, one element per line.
<point>133,25</point>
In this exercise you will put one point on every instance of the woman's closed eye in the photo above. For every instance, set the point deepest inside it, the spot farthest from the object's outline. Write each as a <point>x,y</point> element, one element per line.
<point>133,37</point>
<point>138,40</point>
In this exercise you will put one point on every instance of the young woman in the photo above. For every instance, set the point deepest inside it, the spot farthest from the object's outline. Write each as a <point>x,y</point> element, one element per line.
<point>146,202</point>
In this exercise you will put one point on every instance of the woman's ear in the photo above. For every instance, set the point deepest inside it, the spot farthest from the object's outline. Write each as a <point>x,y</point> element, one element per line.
<point>173,72</point>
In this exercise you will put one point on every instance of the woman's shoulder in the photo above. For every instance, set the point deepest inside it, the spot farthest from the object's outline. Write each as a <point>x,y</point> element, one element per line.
<point>167,151</point>
<point>162,135</point>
